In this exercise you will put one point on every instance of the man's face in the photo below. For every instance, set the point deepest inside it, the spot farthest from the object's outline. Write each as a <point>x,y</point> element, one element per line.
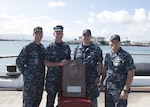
<point>58,35</point>
<point>115,45</point>
<point>38,35</point>
<point>86,38</point>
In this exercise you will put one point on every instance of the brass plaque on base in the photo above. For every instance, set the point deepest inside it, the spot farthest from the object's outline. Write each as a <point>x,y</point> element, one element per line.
<point>74,79</point>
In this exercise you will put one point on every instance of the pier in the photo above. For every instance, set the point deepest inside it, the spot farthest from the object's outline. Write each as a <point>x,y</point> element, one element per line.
<point>139,97</point>
<point>14,99</point>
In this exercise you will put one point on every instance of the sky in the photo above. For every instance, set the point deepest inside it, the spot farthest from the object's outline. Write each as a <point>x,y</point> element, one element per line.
<point>128,18</point>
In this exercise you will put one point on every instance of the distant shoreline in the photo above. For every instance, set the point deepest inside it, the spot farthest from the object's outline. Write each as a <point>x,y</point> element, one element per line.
<point>13,40</point>
<point>78,42</point>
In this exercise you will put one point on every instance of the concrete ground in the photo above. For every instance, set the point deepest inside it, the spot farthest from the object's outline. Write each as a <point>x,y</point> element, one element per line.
<point>14,99</point>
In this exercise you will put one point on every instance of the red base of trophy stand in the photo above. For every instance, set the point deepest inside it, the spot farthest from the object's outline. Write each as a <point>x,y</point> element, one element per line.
<point>73,102</point>
<point>73,93</point>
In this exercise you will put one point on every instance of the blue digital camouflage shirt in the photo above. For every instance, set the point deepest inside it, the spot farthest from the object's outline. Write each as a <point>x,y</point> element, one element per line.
<point>30,63</point>
<point>56,53</point>
<point>117,66</point>
<point>31,60</point>
<point>90,56</point>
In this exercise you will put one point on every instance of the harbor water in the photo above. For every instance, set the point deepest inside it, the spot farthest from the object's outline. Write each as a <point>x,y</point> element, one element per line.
<point>10,49</point>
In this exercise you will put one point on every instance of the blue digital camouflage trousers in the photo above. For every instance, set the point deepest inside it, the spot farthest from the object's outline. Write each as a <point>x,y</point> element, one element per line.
<point>53,85</point>
<point>114,101</point>
<point>32,93</point>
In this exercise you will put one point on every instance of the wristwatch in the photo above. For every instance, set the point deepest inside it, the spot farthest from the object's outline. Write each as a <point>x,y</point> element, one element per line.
<point>126,91</point>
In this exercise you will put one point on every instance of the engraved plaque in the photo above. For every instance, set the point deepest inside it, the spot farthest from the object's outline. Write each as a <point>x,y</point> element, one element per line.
<point>74,79</point>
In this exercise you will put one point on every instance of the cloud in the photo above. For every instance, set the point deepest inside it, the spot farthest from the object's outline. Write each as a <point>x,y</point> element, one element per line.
<point>121,16</point>
<point>140,15</point>
<point>131,26</point>
<point>21,24</point>
<point>134,26</point>
<point>24,25</point>
<point>91,19</point>
<point>3,8</point>
<point>56,4</point>
<point>78,22</point>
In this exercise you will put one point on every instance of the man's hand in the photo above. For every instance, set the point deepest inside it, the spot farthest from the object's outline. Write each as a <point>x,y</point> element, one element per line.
<point>63,62</point>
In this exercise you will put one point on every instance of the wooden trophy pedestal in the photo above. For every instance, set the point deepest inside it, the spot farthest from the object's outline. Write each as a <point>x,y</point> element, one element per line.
<point>74,79</point>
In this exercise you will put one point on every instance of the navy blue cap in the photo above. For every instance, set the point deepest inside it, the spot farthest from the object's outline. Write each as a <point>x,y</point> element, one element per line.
<point>115,37</point>
<point>58,28</point>
<point>87,32</point>
<point>37,28</point>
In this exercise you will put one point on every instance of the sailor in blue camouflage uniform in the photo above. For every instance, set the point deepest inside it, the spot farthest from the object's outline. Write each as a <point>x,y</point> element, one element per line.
<point>119,69</point>
<point>56,55</point>
<point>30,63</point>
<point>91,55</point>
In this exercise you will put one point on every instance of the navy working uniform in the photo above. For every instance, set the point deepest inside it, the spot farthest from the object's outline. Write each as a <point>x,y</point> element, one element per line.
<point>90,56</point>
<point>30,63</point>
<point>117,66</point>
<point>55,52</point>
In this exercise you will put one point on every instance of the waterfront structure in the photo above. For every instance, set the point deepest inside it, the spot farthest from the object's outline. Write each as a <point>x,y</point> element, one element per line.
<point>97,40</point>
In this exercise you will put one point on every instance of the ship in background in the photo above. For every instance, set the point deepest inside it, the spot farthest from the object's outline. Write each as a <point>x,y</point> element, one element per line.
<point>103,41</point>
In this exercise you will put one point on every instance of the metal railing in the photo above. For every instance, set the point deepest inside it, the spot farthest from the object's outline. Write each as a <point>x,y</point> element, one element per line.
<point>11,56</point>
